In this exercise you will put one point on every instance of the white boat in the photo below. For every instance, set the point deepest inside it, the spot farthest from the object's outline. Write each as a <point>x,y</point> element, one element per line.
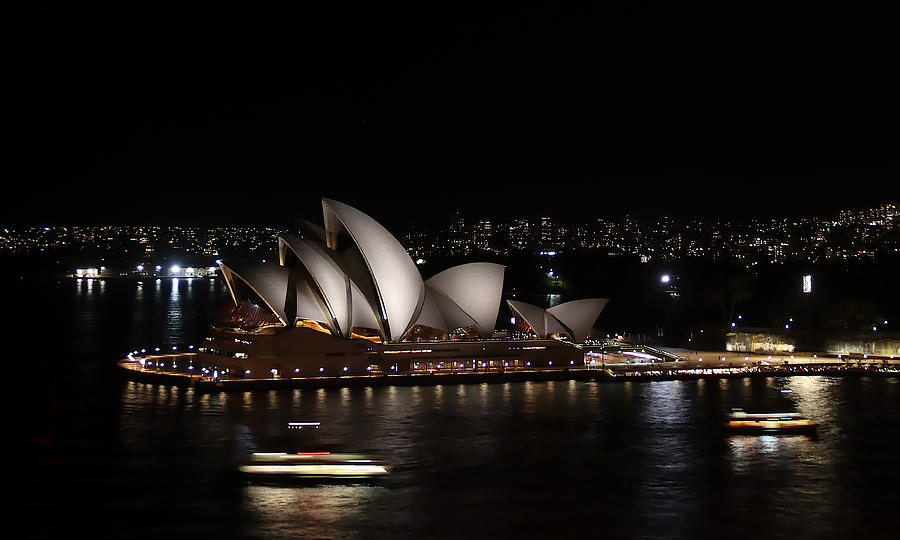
<point>313,465</point>
<point>769,422</point>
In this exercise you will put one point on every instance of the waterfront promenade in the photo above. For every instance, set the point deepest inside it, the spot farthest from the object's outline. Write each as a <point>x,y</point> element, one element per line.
<point>177,369</point>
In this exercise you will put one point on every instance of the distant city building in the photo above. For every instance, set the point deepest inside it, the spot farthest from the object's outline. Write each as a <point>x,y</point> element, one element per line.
<point>854,234</point>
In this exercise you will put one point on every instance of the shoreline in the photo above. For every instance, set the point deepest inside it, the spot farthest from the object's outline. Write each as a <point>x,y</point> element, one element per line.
<point>132,370</point>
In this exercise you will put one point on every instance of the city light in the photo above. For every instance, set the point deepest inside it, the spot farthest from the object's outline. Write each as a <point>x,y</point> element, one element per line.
<point>665,278</point>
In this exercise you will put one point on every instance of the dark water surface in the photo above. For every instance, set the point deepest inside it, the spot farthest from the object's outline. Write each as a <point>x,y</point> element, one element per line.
<point>545,460</point>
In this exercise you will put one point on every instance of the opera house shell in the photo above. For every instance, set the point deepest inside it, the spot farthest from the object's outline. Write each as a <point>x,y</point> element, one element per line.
<point>347,299</point>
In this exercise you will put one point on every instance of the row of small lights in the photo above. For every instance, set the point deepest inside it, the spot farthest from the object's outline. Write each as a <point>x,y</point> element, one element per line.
<point>274,371</point>
<point>787,326</point>
<point>815,357</point>
<point>157,349</point>
<point>134,353</point>
<point>174,269</point>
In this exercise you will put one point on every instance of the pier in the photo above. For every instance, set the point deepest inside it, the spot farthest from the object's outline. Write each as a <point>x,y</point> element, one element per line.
<point>691,365</point>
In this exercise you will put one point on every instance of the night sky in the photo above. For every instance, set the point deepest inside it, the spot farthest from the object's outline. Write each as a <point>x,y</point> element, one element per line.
<point>140,112</point>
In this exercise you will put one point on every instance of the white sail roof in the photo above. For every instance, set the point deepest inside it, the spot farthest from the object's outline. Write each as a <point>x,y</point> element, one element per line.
<point>363,316</point>
<point>574,318</point>
<point>398,285</point>
<point>332,282</point>
<point>431,315</point>
<point>533,315</point>
<point>555,326</point>
<point>454,316</point>
<point>311,307</point>
<point>476,288</point>
<point>269,282</point>
<point>579,315</point>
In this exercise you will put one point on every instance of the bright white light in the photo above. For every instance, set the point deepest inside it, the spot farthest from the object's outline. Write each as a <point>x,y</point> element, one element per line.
<point>140,268</point>
<point>807,284</point>
<point>665,278</point>
<point>175,269</point>
<point>316,470</point>
<point>639,355</point>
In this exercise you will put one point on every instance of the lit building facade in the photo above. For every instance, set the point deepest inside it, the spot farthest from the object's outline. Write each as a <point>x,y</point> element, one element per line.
<point>347,299</point>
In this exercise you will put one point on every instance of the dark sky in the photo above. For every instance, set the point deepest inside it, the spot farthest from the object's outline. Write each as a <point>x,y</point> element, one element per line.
<point>138,112</point>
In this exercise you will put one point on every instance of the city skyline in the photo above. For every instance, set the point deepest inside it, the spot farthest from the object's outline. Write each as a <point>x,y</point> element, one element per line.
<point>852,234</point>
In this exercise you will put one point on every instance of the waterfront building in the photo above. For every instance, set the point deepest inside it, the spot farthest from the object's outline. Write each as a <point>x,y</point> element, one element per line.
<point>347,299</point>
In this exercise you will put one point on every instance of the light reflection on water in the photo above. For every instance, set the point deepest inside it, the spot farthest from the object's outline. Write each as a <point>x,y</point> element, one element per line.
<point>324,512</point>
<point>514,460</point>
<point>488,450</point>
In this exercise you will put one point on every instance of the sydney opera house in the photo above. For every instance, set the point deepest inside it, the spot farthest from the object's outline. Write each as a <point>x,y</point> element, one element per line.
<point>347,299</point>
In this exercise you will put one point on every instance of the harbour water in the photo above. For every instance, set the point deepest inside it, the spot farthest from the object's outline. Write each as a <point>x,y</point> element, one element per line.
<point>544,460</point>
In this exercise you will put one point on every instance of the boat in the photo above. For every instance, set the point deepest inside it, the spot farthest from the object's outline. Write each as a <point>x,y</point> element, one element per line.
<point>769,422</point>
<point>313,465</point>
